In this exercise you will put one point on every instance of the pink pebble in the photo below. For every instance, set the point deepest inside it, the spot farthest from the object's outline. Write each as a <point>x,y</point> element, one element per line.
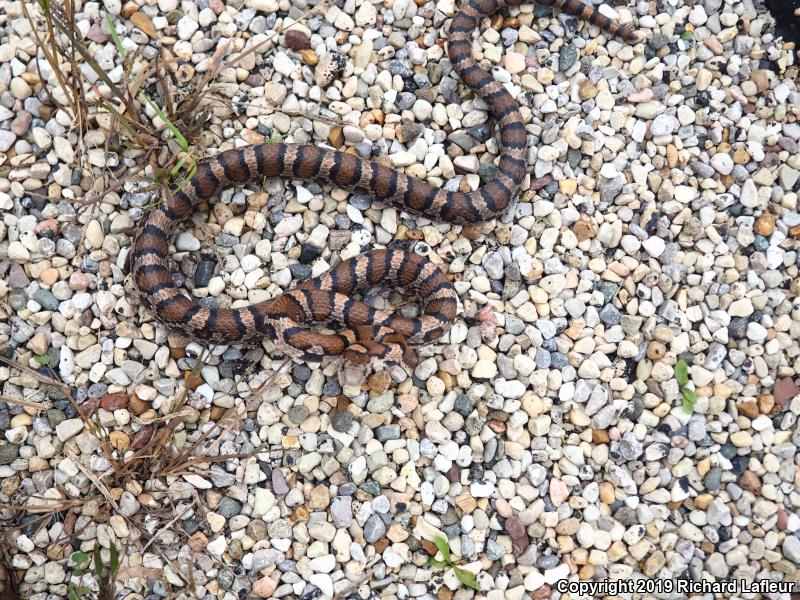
<point>78,281</point>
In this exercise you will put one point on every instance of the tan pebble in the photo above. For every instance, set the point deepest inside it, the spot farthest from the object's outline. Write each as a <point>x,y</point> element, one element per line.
<point>765,225</point>
<point>583,230</point>
<point>587,90</point>
<point>447,379</point>
<point>607,494</point>
<point>617,551</point>
<point>222,213</point>
<point>750,481</point>
<point>580,556</point>
<point>760,78</point>
<point>722,390</point>
<point>198,541</point>
<point>567,186</point>
<point>672,156</point>
<point>379,382</point>
<point>748,408</point>
<point>94,235</point>
<point>397,533</point>
<point>663,334</point>
<point>703,500</point>
<point>48,276</point>
<point>309,57</point>
<point>466,502</point>
<point>514,62</point>
<point>257,201</point>
<point>742,439</point>
<point>656,350</point>
<point>545,76</point>
<point>252,137</point>
<point>137,406</point>
<point>336,137</point>
<point>741,157</point>
<point>119,440</point>
<point>36,463</point>
<point>319,498</point>
<point>586,572</point>
<point>78,281</point>
<point>129,8</point>
<point>39,343</point>
<point>654,562</point>
<point>21,420</point>
<point>143,22</point>
<point>766,403</point>
<point>568,526</point>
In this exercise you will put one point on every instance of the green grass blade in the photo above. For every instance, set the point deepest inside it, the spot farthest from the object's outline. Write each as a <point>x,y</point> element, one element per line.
<point>689,398</point>
<point>98,561</point>
<point>178,166</point>
<point>114,560</point>
<point>682,372</point>
<point>466,578</point>
<point>175,131</point>
<point>115,37</point>
<point>444,548</point>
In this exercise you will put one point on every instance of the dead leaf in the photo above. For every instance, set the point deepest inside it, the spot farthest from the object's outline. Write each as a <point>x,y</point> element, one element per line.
<point>141,572</point>
<point>143,22</point>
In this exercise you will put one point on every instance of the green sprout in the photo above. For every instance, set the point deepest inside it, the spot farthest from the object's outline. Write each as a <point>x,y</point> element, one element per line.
<point>682,376</point>
<point>115,37</point>
<point>106,574</point>
<point>465,577</point>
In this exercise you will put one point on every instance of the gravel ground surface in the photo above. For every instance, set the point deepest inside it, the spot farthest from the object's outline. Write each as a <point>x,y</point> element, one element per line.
<point>546,437</point>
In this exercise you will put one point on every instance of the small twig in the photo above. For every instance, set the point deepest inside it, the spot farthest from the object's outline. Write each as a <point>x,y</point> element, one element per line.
<point>101,487</point>
<point>256,396</point>
<point>218,66</point>
<point>199,460</point>
<point>112,188</point>
<point>165,527</point>
<point>88,423</point>
<point>365,577</point>
<point>38,406</point>
<point>57,506</point>
<point>287,111</point>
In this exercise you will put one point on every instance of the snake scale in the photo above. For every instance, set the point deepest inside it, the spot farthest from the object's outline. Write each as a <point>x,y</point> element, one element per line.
<point>364,333</point>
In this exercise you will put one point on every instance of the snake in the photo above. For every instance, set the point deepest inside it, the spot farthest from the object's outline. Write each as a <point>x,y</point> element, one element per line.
<point>353,328</point>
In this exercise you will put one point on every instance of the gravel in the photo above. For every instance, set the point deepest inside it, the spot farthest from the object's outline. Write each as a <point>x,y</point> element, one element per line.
<point>544,437</point>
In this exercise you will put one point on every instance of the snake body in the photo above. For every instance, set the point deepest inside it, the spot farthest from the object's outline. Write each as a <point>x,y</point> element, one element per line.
<point>364,333</point>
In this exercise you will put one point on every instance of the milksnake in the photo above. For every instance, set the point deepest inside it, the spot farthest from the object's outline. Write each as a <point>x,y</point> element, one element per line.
<point>328,299</point>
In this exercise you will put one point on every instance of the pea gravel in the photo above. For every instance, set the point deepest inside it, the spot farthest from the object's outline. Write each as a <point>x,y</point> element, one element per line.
<point>544,437</point>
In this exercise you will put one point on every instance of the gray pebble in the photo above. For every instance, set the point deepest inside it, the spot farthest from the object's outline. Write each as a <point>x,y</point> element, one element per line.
<point>374,529</point>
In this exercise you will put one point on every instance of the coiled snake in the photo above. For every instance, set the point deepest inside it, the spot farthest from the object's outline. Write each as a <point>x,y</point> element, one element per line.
<point>364,332</point>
